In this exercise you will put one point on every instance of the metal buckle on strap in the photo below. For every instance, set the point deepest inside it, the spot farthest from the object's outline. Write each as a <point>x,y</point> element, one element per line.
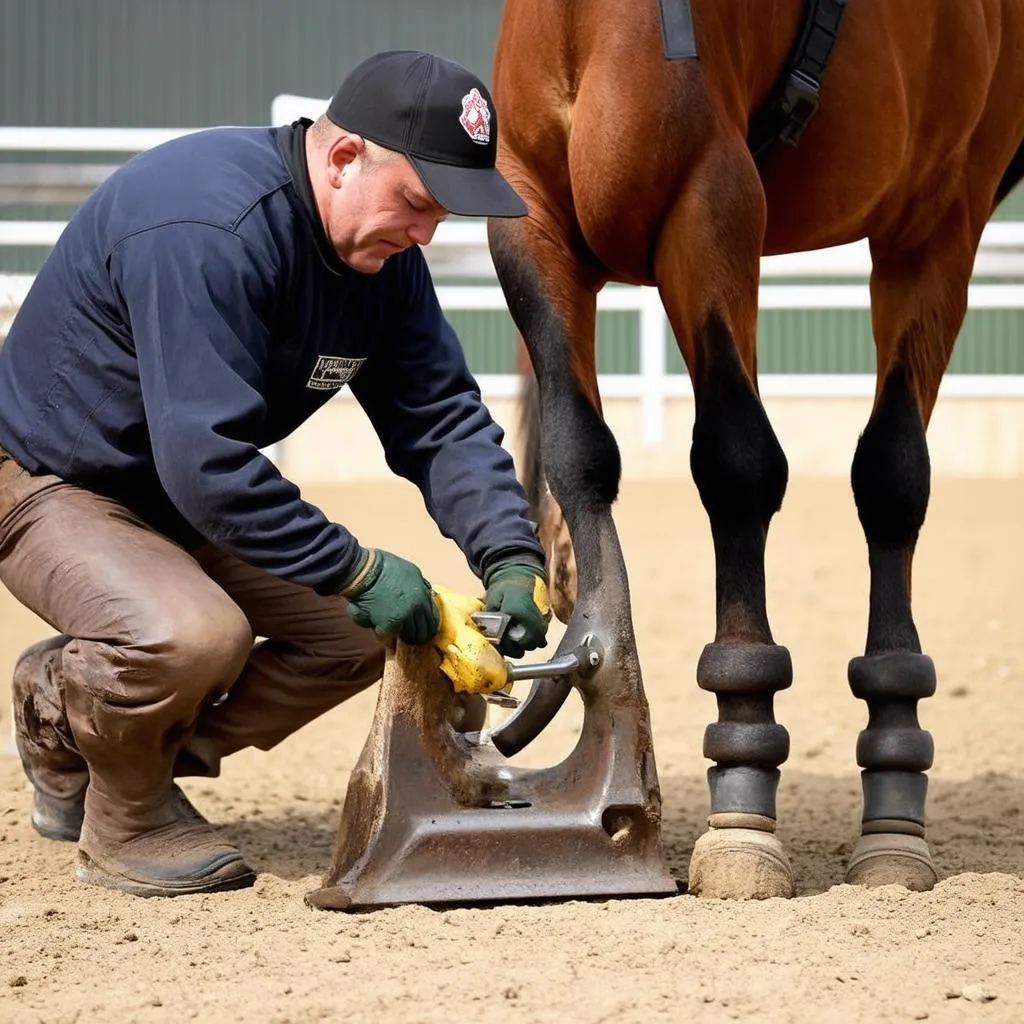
<point>799,100</point>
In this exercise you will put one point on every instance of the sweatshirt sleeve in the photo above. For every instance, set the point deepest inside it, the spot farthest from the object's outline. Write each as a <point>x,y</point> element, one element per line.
<point>197,298</point>
<point>436,432</point>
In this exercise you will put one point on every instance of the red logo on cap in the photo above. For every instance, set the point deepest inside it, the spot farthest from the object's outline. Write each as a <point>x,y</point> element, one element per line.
<point>476,117</point>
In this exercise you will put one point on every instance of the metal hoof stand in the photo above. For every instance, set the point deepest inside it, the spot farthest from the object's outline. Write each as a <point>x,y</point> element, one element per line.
<point>436,816</point>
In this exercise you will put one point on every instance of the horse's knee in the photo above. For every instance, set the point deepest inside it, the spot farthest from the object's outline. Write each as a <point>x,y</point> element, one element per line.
<point>738,465</point>
<point>891,471</point>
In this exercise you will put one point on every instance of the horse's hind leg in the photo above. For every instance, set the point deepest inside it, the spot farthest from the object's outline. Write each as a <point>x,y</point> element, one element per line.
<point>919,299</point>
<point>707,269</point>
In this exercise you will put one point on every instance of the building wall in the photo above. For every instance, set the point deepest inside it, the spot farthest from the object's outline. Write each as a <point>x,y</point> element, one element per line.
<point>156,63</point>
<point>150,63</point>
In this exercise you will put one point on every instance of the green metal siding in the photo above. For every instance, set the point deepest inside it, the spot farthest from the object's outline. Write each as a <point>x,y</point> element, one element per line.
<point>1012,207</point>
<point>169,63</point>
<point>489,340</point>
<point>789,341</point>
<point>155,63</point>
<point>172,63</point>
<point>839,341</point>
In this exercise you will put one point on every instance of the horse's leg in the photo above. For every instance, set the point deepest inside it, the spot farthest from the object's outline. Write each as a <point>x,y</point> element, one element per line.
<point>551,527</point>
<point>551,288</point>
<point>707,269</point>
<point>919,300</point>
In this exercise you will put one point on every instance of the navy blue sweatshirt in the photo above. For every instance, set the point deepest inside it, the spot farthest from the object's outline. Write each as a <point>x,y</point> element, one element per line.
<point>192,313</point>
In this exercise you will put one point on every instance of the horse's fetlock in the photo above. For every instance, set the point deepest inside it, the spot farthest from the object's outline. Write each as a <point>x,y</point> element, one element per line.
<point>894,675</point>
<point>744,668</point>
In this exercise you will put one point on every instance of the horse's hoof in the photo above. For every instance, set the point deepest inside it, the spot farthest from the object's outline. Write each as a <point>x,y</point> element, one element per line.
<point>563,604</point>
<point>553,533</point>
<point>739,864</point>
<point>889,858</point>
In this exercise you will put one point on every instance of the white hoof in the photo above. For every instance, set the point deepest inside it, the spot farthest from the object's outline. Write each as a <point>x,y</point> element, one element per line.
<point>739,864</point>
<point>889,858</point>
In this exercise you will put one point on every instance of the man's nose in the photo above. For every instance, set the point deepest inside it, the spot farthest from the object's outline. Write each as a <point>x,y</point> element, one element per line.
<point>422,231</point>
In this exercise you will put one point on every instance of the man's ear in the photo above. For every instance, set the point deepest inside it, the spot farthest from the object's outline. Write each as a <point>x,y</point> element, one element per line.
<point>343,150</point>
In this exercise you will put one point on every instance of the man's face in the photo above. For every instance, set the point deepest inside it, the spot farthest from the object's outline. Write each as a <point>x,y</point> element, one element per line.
<point>380,208</point>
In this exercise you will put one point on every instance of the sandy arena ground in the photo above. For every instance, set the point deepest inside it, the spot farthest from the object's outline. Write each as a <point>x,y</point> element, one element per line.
<point>73,953</point>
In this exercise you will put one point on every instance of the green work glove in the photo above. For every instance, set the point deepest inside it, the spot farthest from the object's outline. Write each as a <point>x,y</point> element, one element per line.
<point>390,596</point>
<point>519,589</point>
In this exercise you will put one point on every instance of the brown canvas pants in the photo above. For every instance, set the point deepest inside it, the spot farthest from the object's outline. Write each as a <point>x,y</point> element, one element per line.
<point>159,673</point>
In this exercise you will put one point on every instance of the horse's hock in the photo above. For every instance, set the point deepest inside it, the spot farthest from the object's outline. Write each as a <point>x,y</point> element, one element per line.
<point>435,815</point>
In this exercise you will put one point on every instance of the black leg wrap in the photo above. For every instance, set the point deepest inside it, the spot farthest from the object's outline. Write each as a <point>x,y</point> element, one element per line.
<point>746,741</point>
<point>739,790</point>
<point>893,797</point>
<point>893,750</point>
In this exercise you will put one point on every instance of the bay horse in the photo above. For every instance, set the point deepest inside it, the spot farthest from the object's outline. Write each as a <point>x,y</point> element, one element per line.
<point>639,169</point>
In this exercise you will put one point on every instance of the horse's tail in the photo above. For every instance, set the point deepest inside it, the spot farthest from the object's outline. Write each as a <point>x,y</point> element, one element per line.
<point>1011,177</point>
<point>531,467</point>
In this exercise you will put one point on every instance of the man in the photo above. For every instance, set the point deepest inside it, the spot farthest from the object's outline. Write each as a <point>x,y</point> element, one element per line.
<point>202,303</point>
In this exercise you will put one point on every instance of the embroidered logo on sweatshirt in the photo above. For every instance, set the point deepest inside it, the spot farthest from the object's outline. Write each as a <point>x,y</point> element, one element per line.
<point>331,372</point>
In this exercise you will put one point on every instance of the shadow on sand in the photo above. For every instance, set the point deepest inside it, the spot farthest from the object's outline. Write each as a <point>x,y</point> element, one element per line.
<point>975,826</point>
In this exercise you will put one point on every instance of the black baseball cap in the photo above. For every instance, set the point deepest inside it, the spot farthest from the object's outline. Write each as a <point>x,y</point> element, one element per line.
<point>440,116</point>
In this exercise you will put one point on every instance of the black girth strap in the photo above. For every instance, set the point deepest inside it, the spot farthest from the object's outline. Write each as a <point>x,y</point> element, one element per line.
<point>792,104</point>
<point>677,30</point>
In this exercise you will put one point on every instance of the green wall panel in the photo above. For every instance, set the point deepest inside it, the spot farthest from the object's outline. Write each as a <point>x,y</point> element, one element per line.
<point>1012,207</point>
<point>22,259</point>
<point>830,341</point>
<point>153,63</point>
<point>25,259</point>
<point>840,341</point>
<point>991,341</point>
<point>489,340</point>
<point>790,341</point>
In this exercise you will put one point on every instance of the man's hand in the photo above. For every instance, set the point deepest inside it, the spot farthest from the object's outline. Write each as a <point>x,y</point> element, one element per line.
<point>390,596</point>
<point>520,590</point>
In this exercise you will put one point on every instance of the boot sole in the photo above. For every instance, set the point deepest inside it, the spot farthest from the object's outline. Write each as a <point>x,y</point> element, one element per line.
<point>234,875</point>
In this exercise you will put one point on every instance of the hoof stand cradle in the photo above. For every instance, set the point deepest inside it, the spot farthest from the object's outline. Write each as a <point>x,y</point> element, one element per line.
<point>433,815</point>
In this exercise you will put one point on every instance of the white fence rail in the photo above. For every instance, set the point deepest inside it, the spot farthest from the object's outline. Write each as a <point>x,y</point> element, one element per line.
<point>460,249</point>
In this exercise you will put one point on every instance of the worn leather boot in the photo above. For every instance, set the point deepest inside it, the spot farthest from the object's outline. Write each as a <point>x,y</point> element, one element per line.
<point>140,833</point>
<point>57,771</point>
<point>131,709</point>
<point>183,855</point>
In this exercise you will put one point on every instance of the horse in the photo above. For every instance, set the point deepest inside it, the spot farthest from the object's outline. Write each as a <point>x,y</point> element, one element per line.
<point>641,169</point>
